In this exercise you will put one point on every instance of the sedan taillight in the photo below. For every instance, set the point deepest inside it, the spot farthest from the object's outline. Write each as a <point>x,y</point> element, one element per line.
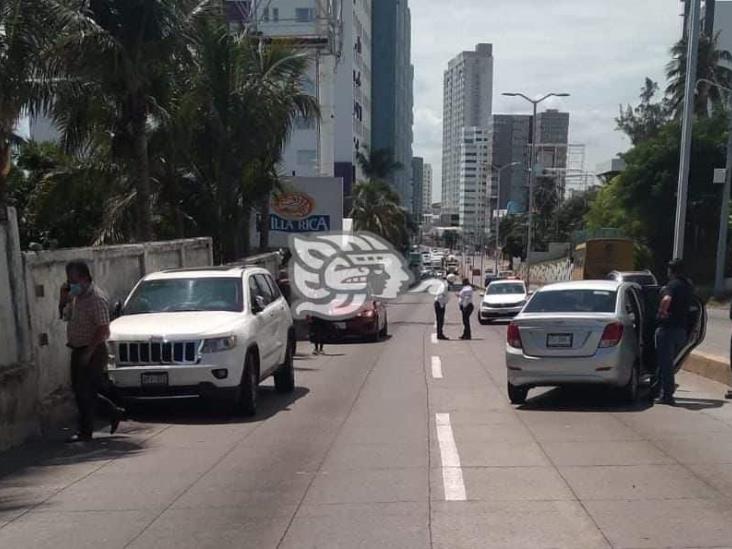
<point>513,337</point>
<point>612,335</point>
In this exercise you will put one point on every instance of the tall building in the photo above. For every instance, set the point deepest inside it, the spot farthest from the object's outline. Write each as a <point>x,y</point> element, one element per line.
<point>392,93</point>
<point>427,188</point>
<point>553,146</point>
<point>510,144</point>
<point>467,102</point>
<point>337,34</point>
<point>417,182</point>
<point>474,161</point>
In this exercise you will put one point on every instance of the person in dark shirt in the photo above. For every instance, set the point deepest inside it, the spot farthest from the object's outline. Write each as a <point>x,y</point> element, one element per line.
<point>672,331</point>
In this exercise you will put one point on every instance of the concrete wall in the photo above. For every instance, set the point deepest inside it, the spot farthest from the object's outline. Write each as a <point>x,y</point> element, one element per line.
<point>18,373</point>
<point>116,269</point>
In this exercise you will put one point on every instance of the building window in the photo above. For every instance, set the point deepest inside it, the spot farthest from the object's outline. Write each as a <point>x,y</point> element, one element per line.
<point>275,14</point>
<point>304,15</point>
<point>306,157</point>
<point>265,14</point>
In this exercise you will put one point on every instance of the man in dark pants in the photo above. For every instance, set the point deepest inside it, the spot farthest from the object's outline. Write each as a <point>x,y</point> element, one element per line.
<point>86,311</point>
<point>729,393</point>
<point>466,307</point>
<point>671,334</point>
<point>440,306</point>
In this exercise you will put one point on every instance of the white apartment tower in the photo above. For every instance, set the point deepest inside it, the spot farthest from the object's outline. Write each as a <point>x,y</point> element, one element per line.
<point>337,35</point>
<point>467,103</point>
<point>427,188</point>
<point>474,161</point>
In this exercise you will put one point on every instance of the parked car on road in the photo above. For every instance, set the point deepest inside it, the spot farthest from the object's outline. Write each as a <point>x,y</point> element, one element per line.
<point>211,332</point>
<point>594,332</point>
<point>502,298</point>
<point>371,323</point>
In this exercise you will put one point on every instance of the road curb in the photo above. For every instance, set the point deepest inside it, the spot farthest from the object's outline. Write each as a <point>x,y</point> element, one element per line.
<point>709,366</point>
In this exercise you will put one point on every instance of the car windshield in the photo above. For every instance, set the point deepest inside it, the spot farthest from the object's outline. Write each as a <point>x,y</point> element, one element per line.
<point>186,294</point>
<point>503,289</point>
<point>572,301</point>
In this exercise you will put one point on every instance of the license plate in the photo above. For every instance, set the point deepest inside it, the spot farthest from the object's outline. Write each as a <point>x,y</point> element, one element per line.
<point>561,341</point>
<point>154,379</point>
<point>340,325</point>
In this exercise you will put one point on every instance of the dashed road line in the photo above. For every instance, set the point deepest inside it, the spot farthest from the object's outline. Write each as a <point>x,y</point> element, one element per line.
<point>452,473</point>
<point>436,367</point>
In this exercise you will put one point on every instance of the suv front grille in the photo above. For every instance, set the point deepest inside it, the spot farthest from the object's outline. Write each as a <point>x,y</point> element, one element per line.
<point>178,352</point>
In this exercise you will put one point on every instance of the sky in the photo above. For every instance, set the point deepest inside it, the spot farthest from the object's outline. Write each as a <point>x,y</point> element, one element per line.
<point>599,51</point>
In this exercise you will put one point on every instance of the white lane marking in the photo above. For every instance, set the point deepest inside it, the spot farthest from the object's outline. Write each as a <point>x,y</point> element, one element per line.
<point>436,367</point>
<point>434,338</point>
<point>452,474</point>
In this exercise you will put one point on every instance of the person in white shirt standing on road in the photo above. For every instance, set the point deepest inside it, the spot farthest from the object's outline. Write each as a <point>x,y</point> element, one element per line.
<point>440,305</point>
<point>466,307</point>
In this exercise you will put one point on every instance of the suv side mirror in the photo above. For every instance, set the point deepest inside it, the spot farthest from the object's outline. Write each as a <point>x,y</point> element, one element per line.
<point>258,304</point>
<point>117,311</point>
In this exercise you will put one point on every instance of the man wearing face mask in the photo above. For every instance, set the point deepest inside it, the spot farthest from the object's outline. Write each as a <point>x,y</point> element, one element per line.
<point>85,309</point>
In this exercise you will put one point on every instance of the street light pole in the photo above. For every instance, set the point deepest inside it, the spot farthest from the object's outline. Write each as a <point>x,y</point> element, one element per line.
<point>532,173</point>
<point>686,128</point>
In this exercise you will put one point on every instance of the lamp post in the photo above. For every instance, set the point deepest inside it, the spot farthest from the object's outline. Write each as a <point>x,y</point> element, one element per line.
<point>498,202</point>
<point>532,174</point>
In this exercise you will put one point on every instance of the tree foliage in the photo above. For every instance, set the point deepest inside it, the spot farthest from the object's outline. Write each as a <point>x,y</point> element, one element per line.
<point>376,209</point>
<point>645,120</point>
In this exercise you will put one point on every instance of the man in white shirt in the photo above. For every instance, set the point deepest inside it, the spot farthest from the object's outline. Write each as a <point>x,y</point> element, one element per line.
<point>466,307</point>
<point>440,305</point>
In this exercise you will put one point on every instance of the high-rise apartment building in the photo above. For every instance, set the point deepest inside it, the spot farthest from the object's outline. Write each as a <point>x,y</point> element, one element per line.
<point>474,161</point>
<point>427,188</point>
<point>337,34</point>
<point>467,103</point>
<point>392,92</point>
<point>416,184</point>
<point>511,134</point>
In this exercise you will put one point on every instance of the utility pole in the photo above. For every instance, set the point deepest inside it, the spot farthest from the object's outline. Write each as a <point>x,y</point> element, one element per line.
<point>532,174</point>
<point>687,126</point>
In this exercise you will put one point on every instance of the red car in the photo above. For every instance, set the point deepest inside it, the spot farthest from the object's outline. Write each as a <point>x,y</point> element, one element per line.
<point>371,323</point>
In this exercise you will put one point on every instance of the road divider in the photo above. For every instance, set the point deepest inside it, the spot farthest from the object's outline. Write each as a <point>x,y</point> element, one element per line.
<point>452,473</point>
<point>436,367</point>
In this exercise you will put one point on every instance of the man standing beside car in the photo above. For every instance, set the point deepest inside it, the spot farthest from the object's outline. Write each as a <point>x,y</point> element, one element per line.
<point>466,307</point>
<point>85,309</point>
<point>440,306</point>
<point>671,334</point>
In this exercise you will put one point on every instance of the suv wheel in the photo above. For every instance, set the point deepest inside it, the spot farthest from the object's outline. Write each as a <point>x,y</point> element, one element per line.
<point>284,377</point>
<point>377,334</point>
<point>517,393</point>
<point>385,330</point>
<point>248,388</point>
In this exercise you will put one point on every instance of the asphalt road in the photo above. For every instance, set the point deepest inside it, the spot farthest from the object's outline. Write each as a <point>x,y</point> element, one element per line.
<point>404,443</point>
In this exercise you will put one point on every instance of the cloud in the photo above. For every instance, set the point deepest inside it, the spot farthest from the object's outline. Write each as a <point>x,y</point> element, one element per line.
<point>600,52</point>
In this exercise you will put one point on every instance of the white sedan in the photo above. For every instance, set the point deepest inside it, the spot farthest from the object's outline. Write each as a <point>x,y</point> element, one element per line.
<point>502,298</point>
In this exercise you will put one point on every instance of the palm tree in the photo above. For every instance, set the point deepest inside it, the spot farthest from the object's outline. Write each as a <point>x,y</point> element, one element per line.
<point>24,28</point>
<point>118,55</point>
<point>376,209</point>
<point>712,65</point>
<point>377,164</point>
<point>246,96</point>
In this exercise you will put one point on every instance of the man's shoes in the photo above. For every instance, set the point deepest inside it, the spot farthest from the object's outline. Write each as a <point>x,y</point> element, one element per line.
<point>464,337</point>
<point>78,437</point>
<point>667,400</point>
<point>443,337</point>
<point>118,417</point>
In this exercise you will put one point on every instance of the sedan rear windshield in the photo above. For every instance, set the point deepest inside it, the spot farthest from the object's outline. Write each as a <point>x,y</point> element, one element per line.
<point>572,301</point>
<point>503,289</point>
<point>186,294</point>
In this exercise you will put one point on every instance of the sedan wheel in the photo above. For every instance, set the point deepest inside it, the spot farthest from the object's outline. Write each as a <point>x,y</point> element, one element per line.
<point>629,393</point>
<point>517,393</point>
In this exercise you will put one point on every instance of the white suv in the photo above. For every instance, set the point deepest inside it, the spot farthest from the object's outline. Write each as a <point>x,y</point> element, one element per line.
<point>214,333</point>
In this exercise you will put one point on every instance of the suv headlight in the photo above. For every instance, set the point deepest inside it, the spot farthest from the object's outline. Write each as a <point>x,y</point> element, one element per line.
<point>218,344</point>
